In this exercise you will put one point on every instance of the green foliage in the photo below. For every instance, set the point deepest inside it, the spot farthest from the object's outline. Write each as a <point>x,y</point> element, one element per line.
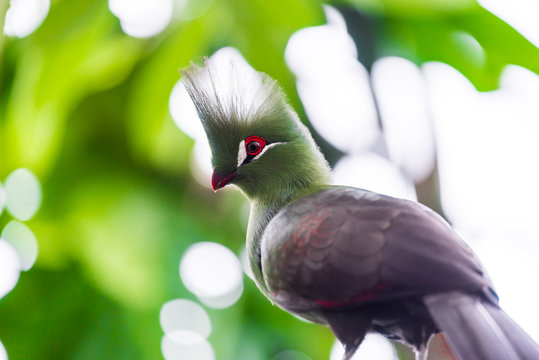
<point>459,33</point>
<point>85,107</point>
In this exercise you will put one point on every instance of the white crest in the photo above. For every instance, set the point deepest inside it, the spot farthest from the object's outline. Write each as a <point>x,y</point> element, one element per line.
<point>226,88</point>
<point>239,86</point>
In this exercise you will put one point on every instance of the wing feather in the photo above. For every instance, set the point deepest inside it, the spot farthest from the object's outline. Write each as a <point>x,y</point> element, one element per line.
<point>344,246</point>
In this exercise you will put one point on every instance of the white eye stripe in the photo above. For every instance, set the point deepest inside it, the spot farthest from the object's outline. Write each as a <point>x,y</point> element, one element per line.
<point>266,149</point>
<point>242,153</point>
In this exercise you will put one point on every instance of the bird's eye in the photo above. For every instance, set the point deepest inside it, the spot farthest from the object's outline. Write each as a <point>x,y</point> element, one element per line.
<point>254,145</point>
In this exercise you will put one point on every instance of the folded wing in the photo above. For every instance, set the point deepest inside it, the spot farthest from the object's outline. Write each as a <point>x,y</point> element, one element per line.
<point>343,246</point>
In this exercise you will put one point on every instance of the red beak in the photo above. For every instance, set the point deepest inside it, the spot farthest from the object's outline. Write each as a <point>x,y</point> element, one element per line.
<point>218,181</point>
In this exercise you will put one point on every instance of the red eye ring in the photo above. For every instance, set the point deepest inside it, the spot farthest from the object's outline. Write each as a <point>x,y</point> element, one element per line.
<point>254,145</point>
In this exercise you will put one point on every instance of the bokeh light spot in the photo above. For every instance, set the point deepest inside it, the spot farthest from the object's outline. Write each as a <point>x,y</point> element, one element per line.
<point>374,346</point>
<point>23,194</point>
<point>245,264</point>
<point>213,273</point>
<point>524,84</point>
<point>184,113</point>
<point>9,270</point>
<point>2,198</point>
<point>200,163</point>
<point>225,300</point>
<point>142,18</point>
<point>184,345</point>
<point>3,352</point>
<point>24,16</point>
<point>468,44</point>
<point>186,315</point>
<point>23,241</point>
<point>372,172</point>
<point>333,86</point>
<point>400,91</point>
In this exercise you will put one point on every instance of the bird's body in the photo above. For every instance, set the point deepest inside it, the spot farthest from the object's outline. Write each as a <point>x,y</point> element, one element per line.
<point>359,261</point>
<point>347,258</point>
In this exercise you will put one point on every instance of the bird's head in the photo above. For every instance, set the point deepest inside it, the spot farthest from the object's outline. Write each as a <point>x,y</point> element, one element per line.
<point>257,141</point>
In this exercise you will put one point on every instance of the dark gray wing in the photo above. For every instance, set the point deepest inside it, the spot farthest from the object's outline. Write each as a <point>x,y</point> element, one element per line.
<point>345,246</point>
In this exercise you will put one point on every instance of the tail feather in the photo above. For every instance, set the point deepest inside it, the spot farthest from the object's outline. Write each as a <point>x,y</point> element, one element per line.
<point>479,330</point>
<point>523,344</point>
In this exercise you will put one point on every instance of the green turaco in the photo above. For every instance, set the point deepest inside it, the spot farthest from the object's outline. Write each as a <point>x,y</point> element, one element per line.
<point>347,258</point>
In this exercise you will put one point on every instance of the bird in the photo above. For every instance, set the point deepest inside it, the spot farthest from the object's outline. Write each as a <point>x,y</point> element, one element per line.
<point>348,258</point>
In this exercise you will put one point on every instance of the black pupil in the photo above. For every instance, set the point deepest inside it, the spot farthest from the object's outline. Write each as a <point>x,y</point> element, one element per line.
<point>253,146</point>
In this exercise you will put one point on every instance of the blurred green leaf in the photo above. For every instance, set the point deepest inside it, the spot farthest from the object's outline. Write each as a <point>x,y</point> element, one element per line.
<point>459,33</point>
<point>57,67</point>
